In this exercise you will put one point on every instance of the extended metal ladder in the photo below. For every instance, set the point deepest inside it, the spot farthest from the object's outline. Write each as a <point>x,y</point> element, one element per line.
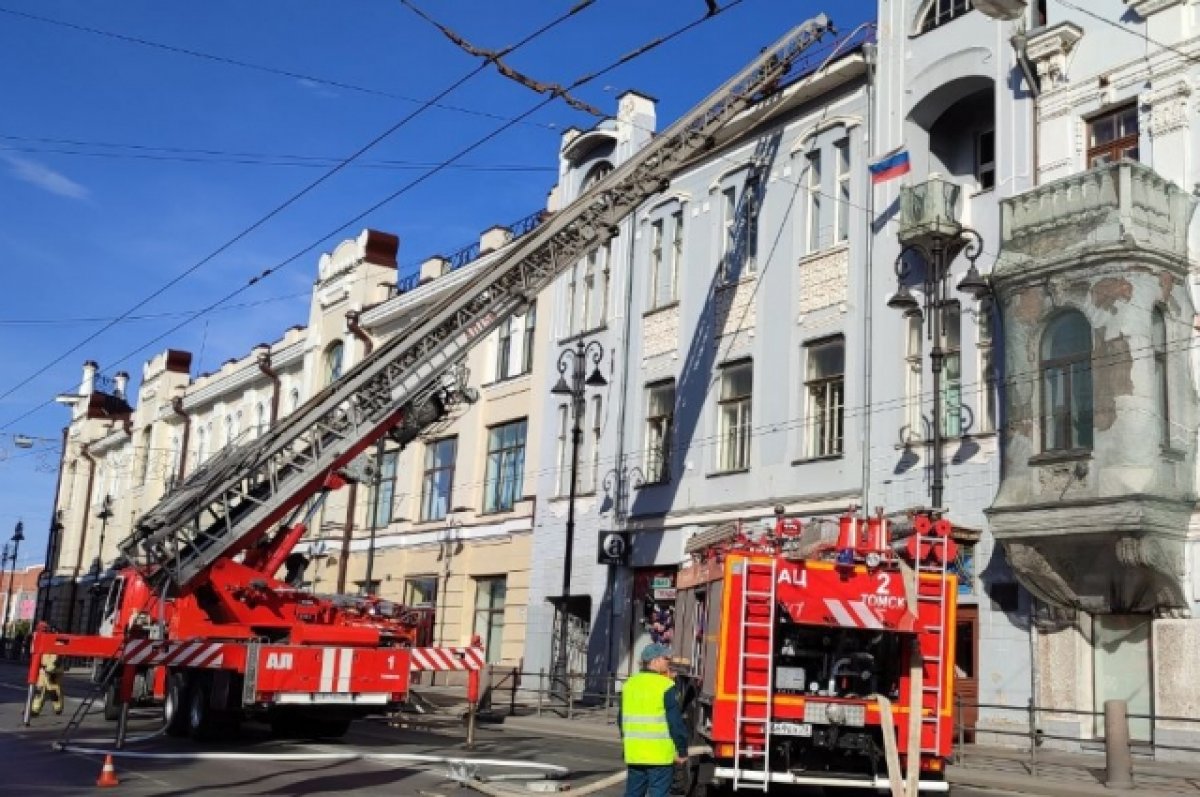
<point>756,672</point>
<point>237,496</point>
<point>933,549</point>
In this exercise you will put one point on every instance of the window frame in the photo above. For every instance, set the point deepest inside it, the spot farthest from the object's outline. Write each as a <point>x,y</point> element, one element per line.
<point>812,201</point>
<point>383,499</point>
<point>661,427</point>
<point>492,613</point>
<point>985,350</point>
<point>502,487</point>
<point>1117,148</point>
<point>504,343</point>
<point>333,362</point>
<point>528,338</point>
<point>596,405</point>
<point>937,13</point>
<point>1161,347</point>
<point>562,484</point>
<point>1066,365</point>
<point>429,477</point>
<point>825,402</point>
<point>841,207</point>
<point>656,262</point>
<point>735,419</point>
<point>985,170</point>
<point>677,229</point>
<point>952,386</point>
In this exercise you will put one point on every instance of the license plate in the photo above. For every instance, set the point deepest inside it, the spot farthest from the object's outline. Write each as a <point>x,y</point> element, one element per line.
<point>333,697</point>
<point>791,728</point>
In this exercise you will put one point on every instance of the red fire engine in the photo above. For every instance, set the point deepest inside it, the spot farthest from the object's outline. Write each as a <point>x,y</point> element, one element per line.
<point>239,642</point>
<point>204,620</point>
<point>822,654</point>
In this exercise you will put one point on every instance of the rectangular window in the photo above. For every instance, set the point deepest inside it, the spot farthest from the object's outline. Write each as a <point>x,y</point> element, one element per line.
<point>504,479</point>
<point>504,346</point>
<point>572,317</point>
<point>437,485</point>
<point>987,372</point>
<point>660,417</point>
<point>588,302</point>
<point>914,351</point>
<point>1113,136</point>
<point>420,591</point>
<point>489,615</point>
<point>658,291</point>
<point>952,420</point>
<point>729,229</point>
<point>824,386</point>
<point>593,475</point>
<point>813,238</point>
<point>842,209</point>
<point>734,417</point>
<point>676,252</point>
<point>985,159</point>
<point>385,498</point>
<point>528,341</point>
<point>564,450</point>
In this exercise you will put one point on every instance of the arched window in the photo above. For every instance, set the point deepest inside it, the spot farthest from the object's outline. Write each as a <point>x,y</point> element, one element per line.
<point>1066,369</point>
<point>144,469</point>
<point>1158,339</point>
<point>260,419</point>
<point>333,362</point>
<point>939,12</point>
<point>229,430</point>
<point>294,398</point>
<point>201,445</point>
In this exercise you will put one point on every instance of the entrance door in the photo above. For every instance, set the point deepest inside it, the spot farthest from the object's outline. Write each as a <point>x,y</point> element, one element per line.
<point>1121,658</point>
<point>966,687</point>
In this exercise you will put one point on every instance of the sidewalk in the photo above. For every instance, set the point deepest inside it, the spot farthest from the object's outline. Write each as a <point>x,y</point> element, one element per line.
<point>994,768</point>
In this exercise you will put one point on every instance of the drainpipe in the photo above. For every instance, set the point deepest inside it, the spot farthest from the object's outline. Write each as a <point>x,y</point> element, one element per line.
<point>52,540</point>
<point>1020,42</point>
<point>87,516</point>
<point>264,365</point>
<point>352,325</point>
<point>177,406</point>
<point>352,317</point>
<point>871,54</point>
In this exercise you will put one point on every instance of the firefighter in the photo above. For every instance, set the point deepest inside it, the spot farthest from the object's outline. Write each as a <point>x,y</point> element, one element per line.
<point>652,731</point>
<point>49,675</point>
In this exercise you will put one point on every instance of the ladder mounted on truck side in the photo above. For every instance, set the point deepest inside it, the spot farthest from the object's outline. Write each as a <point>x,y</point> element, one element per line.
<point>756,671</point>
<point>237,497</point>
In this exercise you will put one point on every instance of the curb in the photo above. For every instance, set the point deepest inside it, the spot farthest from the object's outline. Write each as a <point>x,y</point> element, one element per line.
<point>1027,784</point>
<point>551,727</point>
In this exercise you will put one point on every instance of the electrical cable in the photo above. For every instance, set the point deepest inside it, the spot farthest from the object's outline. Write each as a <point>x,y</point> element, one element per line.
<point>229,61</point>
<point>292,200</point>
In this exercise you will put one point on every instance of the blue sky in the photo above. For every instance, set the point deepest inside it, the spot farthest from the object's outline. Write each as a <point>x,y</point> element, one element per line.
<point>132,147</point>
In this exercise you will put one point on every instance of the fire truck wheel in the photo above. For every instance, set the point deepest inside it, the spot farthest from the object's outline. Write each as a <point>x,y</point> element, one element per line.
<point>175,705</point>
<point>112,708</point>
<point>199,715</point>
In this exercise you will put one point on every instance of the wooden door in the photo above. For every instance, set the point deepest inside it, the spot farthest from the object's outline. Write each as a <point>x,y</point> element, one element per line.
<point>966,659</point>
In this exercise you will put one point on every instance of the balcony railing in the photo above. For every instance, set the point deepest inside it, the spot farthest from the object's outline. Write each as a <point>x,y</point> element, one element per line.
<point>1110,204</point>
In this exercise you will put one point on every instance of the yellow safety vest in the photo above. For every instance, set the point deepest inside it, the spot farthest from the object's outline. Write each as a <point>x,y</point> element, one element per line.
<point>644,729</point>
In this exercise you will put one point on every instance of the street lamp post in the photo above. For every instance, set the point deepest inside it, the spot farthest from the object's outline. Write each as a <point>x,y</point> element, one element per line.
<point>98,566</point>
<point>17,537</point>
<point>575,388</point>
<point>47,574</point>
<point>369,586</point>
<point>929,228</point>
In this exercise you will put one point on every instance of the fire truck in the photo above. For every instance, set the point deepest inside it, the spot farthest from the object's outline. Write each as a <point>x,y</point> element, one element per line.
<point>203,623</point>
<point>821,653</point>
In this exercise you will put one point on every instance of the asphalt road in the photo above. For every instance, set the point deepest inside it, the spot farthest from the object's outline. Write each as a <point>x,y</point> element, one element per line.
<point>35,768</point>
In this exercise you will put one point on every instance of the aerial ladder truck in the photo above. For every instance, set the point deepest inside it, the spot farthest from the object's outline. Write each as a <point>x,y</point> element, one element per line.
<point>201,618</point>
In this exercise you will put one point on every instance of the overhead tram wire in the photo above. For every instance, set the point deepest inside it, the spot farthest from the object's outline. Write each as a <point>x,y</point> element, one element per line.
<point>417,181</point>
<point>621,61</point>
<point>262,68</point>
<point>288,203</point>
<point>204,156</point>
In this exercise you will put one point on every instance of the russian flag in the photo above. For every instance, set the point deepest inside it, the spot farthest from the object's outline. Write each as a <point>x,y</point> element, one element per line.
<point>890,166</point>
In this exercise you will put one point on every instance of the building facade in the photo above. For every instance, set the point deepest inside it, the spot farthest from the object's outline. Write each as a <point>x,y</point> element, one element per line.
<point>444,523</point>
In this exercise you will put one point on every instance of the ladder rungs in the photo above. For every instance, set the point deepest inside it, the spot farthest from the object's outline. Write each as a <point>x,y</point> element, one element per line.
<point>751,624</point>
<point>757,593</point>
<point>756,655</point>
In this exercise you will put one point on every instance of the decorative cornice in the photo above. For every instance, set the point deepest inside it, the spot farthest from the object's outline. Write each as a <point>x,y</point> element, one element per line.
<point>1144,8</point>
<point>1050,48</point>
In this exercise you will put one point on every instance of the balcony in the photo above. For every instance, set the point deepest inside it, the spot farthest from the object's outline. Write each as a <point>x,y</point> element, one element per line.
<point>1124,203</point>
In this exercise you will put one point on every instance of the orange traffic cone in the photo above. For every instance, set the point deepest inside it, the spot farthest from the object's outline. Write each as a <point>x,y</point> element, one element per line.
<point>108,775</point>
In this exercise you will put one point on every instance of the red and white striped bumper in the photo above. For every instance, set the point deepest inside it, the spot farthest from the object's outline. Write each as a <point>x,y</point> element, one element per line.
<point>444,659</point>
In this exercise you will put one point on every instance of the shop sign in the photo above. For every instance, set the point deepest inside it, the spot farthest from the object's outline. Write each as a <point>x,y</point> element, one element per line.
<point>613,548</point>
<point>664,593</point>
